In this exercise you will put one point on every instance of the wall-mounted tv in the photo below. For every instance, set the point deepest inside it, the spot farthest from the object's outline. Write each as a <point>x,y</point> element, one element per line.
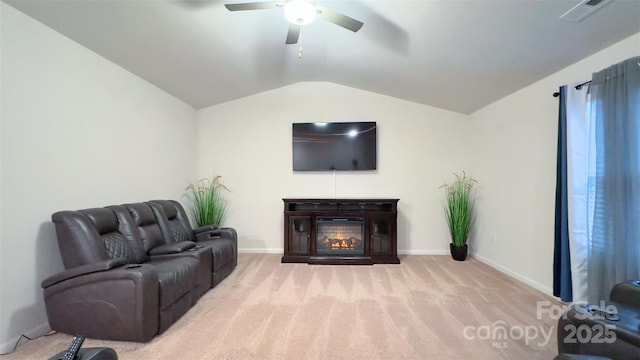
<point>334,146</point>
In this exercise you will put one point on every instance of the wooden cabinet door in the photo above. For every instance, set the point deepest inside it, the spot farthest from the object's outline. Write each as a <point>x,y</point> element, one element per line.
<point>299,235</point>
<point>381,235</point>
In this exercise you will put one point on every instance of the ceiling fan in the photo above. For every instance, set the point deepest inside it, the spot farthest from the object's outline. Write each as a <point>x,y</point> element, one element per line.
<point>300,12</point>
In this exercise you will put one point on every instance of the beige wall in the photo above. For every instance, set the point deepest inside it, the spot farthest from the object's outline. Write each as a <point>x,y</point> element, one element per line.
<point>77,131</point>
<point>513,153</point>
<point>248,142</point>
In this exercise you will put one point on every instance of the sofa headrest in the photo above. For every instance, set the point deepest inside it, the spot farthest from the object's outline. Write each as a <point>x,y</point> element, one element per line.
<point>169,208</point>
<point>141,213</point>
<point>103,219</point>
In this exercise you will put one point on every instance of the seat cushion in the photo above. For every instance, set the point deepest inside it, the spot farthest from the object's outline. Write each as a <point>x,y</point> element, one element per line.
<point>176,277</point>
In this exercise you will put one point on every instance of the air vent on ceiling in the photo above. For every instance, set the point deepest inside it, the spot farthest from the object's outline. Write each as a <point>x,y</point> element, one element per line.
<point>584,9</point>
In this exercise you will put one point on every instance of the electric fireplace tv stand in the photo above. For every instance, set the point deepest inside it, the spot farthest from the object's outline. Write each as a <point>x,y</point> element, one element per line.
<point>340,231</point>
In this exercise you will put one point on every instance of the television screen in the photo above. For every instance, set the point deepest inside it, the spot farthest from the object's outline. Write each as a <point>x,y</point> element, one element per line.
<point>334,146</point>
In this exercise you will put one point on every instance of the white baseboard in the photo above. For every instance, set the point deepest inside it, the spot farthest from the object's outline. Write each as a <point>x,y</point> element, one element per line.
<point>281,251</point>
<point>260,251</point>
<point>523,279</point>
<point>9,346</point>
<point>423,252</point>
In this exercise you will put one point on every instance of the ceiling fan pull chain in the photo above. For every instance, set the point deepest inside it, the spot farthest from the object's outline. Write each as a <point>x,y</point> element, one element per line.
<point>300,52</point>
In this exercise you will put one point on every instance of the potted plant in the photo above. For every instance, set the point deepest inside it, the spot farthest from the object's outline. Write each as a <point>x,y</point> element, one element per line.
<point>459,212</point>
<point>209,205</point>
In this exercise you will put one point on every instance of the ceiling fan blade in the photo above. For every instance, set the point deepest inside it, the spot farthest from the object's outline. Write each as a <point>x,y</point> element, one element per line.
<point>339,19</point>
<point>293,34</point>
<point>265,5</point>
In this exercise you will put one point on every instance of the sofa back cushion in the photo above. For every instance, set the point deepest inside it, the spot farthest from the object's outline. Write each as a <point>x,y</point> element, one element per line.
<point>93,235</point>
<point>173,220</point>
<point>78,239</point>
<point>121,237</point>
<point>146,224</point>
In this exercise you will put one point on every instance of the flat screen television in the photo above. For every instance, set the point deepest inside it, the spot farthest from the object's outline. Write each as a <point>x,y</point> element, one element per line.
<point>334,146</point>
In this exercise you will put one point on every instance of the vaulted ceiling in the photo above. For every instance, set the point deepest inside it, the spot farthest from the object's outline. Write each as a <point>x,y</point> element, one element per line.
<point>458,55</point>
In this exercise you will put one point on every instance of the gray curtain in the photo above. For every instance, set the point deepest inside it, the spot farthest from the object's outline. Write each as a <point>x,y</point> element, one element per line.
<point>614,249</point>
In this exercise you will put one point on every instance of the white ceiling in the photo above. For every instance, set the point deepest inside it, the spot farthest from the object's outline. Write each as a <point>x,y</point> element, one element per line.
<point>458,55</point>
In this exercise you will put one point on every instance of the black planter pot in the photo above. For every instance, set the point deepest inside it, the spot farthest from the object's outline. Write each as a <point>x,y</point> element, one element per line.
<point>458,253</point>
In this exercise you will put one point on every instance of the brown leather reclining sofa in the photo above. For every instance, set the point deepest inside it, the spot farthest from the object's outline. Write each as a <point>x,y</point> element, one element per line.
<point>133,270</point>
<point>609,330</point>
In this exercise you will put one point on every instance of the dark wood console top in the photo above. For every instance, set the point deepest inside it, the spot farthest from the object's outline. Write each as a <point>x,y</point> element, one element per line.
<point>341,200</point>
<point>341,205</point>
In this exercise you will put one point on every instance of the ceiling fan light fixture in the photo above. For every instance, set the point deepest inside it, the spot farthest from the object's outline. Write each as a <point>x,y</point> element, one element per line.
<point>300,12</point>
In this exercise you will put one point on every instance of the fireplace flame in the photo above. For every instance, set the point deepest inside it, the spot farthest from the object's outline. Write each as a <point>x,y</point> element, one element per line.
<point>340,243</point>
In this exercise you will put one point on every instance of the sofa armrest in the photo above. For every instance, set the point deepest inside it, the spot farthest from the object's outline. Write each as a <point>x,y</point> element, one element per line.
<point>173,248</point>
<point>207,235</point>
<point>204,228</point>
<point>83,270</point>
<point>626,293</point>
<point>117,304</point>
<point>212,234</point>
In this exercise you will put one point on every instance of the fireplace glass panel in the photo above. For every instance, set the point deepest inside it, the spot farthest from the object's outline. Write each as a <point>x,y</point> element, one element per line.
<point>340,236</point>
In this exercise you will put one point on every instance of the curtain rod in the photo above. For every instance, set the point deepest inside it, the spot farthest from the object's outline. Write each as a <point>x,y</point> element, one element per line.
<point>577,87</point>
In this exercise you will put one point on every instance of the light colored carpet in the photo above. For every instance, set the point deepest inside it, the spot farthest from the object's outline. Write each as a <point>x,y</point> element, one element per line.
<point>428,307</point>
